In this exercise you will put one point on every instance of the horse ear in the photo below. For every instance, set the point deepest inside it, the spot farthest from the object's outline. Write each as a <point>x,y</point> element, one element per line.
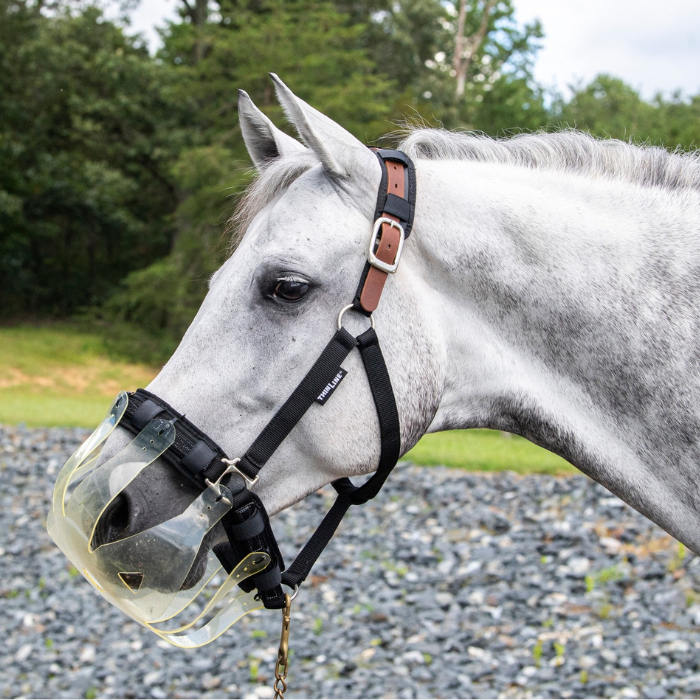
<point>338,150</point>
<point>263,139</point>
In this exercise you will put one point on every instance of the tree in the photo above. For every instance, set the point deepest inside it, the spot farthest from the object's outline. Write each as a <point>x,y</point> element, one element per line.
<point>609,108</point>
<point>448,57</point>
<point>85,193</point>
<point>467,46</point>
<point>316,50</point>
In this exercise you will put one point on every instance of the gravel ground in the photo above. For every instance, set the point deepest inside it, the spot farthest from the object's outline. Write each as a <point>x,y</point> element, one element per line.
<point>450,584</point>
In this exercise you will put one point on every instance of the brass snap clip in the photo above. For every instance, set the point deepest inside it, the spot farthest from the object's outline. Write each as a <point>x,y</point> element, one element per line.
<point>282,665</point>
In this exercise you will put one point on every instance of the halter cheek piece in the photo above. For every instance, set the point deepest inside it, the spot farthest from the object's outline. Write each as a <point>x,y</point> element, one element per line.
<point>200,460</point>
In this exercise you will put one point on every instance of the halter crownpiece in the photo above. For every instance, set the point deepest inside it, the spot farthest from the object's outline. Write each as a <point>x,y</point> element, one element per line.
<point>153,576</point>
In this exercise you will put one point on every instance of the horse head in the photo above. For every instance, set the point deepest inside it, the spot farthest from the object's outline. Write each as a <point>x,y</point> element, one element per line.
<point>269,311</point>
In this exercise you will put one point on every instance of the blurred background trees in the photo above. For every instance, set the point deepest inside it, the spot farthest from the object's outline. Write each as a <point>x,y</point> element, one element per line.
<point>87,139</point>
<point>119,169</point>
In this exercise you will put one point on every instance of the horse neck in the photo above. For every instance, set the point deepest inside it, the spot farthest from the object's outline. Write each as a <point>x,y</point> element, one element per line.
<point>568,312</point>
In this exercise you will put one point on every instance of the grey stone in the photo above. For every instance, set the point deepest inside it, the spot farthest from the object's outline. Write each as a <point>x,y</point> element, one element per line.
<point>471,598</point>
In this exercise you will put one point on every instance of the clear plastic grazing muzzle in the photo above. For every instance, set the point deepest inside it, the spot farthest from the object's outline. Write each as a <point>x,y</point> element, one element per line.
<point>144,574</point>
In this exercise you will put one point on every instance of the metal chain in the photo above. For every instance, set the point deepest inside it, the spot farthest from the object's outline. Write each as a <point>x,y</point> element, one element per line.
<point>282,666</point>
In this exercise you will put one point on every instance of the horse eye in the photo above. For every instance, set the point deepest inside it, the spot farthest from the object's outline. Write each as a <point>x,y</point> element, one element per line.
<point>290,290</point>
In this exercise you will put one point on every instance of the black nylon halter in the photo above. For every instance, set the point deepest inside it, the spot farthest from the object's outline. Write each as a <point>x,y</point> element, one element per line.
<point>204,463</point>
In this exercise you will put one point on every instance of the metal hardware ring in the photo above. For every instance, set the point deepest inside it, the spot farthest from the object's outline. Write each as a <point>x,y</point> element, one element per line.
<point>295,593</point>
<point>230,469</point>
<point>347,308</point>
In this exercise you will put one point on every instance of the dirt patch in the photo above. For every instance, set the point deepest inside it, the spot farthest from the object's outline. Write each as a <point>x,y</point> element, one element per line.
<point>18,378</point>
<point>78,380</point>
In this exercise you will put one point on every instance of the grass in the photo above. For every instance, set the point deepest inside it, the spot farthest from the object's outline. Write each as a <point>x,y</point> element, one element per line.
<point>488,451</point>
<point>60,375</point>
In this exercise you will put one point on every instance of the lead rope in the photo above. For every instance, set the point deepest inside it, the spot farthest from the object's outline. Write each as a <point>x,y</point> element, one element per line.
<point>282,665</point>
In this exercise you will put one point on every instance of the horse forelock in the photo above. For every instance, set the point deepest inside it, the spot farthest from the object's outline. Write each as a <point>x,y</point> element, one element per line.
<point>569,150</point>
<point>270,182</point>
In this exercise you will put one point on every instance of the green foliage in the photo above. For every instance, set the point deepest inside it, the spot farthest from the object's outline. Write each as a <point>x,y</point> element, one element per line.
<point>84,147</point>
<point>412,43</point>
<point>119,170</point>
<point>537,653</point>
<point>253,668</point>
<point>677,560</point>
<point>311,44</point>
<point>500,92</point>
<point>608,575</point>
<point>604,611</point>
<point>609,108</point>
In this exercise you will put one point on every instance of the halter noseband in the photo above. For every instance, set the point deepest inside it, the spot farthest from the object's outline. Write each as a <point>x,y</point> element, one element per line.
<point>199,459</point>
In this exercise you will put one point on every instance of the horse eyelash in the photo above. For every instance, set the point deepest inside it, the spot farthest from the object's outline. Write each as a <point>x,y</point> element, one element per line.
<point>292,278</point>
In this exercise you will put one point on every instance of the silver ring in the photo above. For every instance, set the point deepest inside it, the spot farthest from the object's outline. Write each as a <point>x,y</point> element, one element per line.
<point>296,592</point>
<point>347,308</point>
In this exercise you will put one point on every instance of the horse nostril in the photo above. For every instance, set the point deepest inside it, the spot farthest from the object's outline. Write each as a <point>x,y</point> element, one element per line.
<point>113,523</point>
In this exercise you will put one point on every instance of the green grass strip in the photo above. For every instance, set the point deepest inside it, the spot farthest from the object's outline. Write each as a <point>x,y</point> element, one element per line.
<point>487,450</point>
<point>57,375</point>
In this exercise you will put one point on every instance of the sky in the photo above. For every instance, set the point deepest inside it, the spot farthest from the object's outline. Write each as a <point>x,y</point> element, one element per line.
<point>655,47</point>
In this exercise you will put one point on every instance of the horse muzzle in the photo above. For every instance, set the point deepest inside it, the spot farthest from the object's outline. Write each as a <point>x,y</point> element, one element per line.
<point>165,575</point>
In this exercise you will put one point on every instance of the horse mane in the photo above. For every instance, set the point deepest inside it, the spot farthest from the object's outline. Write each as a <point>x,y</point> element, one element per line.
<point>569,150</point>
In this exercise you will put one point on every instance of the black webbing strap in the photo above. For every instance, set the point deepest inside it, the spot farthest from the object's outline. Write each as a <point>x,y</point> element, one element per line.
<point>248,530</point>
<point>299,402</point>
<point>305,560</point>
<point>348,493</point>
<point>194,454</point>
<point>241,523</point>
<point>388,414</point>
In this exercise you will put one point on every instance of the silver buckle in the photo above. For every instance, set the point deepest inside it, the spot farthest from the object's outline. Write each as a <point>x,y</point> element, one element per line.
<point>230,469</point>
<point>374,261</point>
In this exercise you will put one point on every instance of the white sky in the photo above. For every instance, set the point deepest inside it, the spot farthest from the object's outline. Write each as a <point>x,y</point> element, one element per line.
<point>654,46</point>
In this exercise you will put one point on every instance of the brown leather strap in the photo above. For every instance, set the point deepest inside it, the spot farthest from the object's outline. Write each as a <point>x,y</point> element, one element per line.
<point>389,242</point>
